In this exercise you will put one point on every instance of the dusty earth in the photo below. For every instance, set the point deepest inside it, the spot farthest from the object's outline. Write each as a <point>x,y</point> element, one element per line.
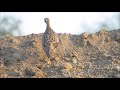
<point>94,55</point>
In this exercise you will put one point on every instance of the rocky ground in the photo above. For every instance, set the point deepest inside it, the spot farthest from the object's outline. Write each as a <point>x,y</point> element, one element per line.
<point>94,55</point>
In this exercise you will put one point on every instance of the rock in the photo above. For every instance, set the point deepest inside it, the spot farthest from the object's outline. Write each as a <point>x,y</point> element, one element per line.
<point>75,54</point>
<point>117,68</point>
<point>85,38</point>
<point>13,73</point>
<point>67,59</point>
<point>74,60</point>
<point>8,62</point>
<point>39,75</point>
<point>4,76</point>
<point>118,37</point>
<point>56,65</point>
<point>85,35</point>
<point>67,65</point>
<point>117,75</point>
<point>17,55</point>
<point>29,72</point>
<point>34,72</point>
<point>103,32</point>
<point>108,40</point>
<point>57,58</point>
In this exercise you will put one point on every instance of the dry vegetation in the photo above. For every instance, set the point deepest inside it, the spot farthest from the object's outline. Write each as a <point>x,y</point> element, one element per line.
<point>78,56</point>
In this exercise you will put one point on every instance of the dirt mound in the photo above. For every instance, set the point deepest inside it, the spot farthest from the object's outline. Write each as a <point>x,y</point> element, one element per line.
<point>79,56</point>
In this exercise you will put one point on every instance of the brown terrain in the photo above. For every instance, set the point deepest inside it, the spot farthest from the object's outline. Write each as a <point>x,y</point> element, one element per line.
<point>86,55</point>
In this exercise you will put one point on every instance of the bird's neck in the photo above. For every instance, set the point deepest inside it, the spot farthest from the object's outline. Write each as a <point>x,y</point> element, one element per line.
<point>48,26</point>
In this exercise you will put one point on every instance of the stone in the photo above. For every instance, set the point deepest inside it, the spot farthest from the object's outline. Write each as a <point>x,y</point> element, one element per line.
<point>67,65</point>
<point>85,35</point>
<point>117,68</point>
<point>39,75</point>
<point>57,58</point>
<point>29,72</point>
<point>74,60</point>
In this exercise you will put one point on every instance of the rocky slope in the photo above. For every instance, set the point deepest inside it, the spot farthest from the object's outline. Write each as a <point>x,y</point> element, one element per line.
<point>86,55</point>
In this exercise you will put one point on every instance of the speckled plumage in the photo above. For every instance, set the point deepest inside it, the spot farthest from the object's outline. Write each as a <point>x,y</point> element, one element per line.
<point>50,40</point>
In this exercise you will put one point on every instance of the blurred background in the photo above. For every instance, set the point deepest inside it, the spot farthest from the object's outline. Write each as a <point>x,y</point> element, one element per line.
<point>24,23</point>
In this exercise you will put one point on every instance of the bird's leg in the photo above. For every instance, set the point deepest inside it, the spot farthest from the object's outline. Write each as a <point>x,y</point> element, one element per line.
<point>49,62</point>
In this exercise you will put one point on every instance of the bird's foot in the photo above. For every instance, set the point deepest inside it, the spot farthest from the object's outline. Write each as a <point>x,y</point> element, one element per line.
<point>49,62</point>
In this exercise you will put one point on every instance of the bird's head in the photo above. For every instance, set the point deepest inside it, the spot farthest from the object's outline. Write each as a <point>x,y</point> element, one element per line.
<point>46,20</point>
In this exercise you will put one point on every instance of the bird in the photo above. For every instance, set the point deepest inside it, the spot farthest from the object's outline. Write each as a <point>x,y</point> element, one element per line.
<point>50,40</point>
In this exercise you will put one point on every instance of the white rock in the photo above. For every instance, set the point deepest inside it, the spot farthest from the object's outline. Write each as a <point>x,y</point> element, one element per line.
<point>118,68</point>
<point>74,61</point>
